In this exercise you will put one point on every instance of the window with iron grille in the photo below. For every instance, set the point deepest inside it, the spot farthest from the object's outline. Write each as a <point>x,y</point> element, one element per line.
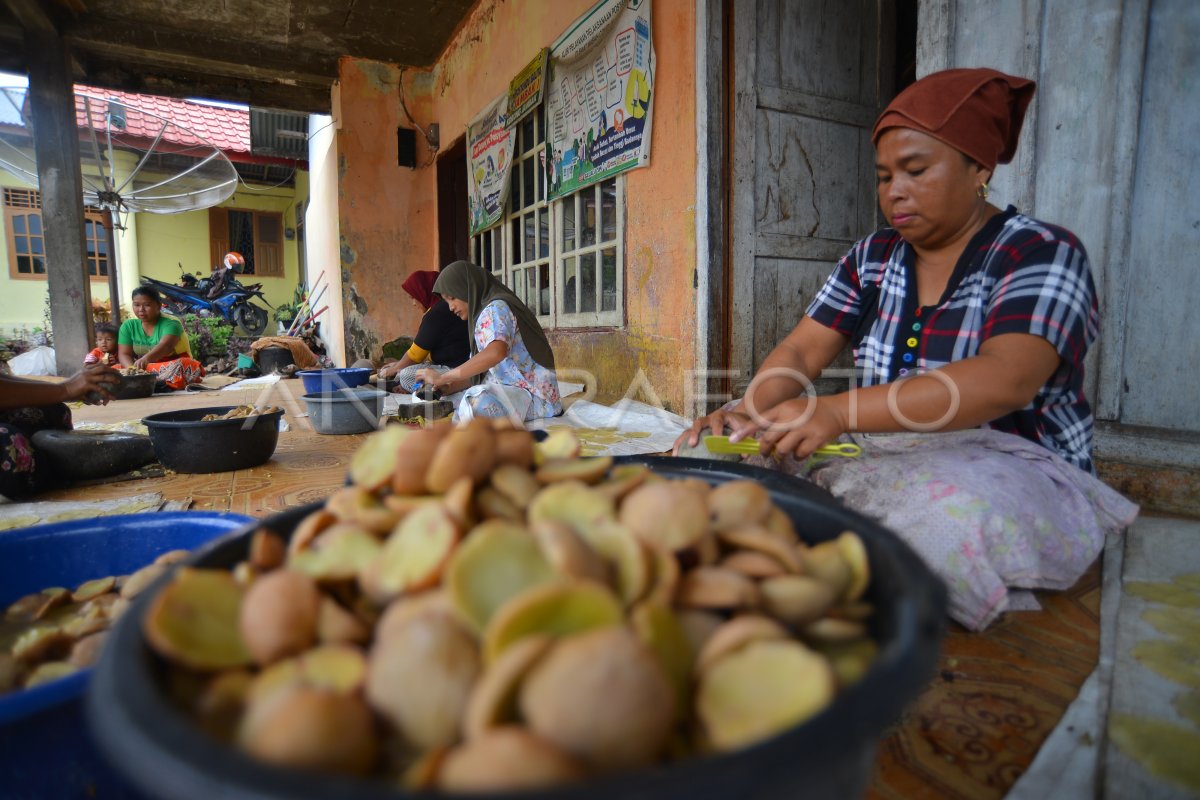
<point>27,242</point>
<point>257,235</point>
<point>564,258</point>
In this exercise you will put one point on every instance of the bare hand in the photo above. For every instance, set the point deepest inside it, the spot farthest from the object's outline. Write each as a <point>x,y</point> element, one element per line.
<point>431,377</point>
<point>388,370</point>
<point>94,384</point>
<point>140,363</point>
<point>716,422</point>
<point>797,427</point>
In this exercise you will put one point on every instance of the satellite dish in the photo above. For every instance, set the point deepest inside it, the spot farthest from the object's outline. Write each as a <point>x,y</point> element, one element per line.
<point>132,159</point>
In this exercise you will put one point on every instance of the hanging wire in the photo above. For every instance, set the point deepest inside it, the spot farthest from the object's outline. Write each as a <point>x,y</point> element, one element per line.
<point>429,142</point>
<point>242,181</point>
<point>291,174</point>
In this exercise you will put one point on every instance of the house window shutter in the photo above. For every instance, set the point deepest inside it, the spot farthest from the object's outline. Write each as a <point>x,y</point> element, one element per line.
<point>268,244</point>
<point>218,235</point>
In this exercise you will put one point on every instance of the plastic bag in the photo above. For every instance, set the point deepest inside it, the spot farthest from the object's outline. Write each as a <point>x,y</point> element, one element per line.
<point>38,361</point>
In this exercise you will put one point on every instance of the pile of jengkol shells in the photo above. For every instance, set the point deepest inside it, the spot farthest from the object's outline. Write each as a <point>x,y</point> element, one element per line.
<point>477,612</point>
<point>50,634</point>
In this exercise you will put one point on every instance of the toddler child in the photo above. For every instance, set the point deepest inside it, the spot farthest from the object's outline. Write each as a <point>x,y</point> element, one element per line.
<point>105,351</point>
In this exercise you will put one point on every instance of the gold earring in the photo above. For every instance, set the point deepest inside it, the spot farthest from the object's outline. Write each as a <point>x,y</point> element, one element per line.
<point>982,191</point>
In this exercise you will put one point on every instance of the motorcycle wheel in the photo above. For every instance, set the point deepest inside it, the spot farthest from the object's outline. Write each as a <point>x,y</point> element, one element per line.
<point>252,319</point>
<point>175,309</point>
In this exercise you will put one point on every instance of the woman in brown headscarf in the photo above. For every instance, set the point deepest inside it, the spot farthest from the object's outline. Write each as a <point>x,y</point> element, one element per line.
<point>960,314</point>
<point>511,364</point>
<point>968,324</point>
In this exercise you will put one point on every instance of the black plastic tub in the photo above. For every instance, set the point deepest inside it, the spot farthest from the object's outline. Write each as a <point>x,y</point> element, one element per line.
<point>185,444</point>
<point>830,756</point>
<point>273,359</point>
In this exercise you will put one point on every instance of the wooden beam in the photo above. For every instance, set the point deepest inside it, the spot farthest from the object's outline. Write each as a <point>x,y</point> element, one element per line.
<point>32,16</point>
<point>169,81</point>
<point>194,52</point>
<point>56,146</point>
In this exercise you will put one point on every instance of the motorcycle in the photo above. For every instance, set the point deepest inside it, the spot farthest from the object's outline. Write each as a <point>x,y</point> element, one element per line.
<point>233,305</point>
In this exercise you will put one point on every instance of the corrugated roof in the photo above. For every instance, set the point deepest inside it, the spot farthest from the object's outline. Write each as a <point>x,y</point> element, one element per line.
<point>282,134</point>
<point>226,128</point>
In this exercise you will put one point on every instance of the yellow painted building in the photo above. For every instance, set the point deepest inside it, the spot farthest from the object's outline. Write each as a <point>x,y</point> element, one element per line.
<point>150,245</point>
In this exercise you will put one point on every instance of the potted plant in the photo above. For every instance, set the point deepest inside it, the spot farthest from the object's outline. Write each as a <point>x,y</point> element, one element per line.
<point>286,313</point>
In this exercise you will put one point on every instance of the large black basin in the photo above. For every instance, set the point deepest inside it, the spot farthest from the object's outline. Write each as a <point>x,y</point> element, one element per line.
<point>185,444</point>
<point>164,752</point>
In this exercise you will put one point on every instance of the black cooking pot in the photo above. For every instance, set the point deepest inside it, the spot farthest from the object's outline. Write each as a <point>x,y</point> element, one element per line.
<point>185,444</point>
<point>830,756</point>
<point>134,387</point>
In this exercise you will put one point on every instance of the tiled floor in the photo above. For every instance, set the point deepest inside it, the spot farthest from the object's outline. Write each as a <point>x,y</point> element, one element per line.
<point>995,699</point>
<point>306,466</point>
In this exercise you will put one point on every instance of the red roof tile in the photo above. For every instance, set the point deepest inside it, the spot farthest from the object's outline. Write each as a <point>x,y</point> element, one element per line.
<point>226,128</point>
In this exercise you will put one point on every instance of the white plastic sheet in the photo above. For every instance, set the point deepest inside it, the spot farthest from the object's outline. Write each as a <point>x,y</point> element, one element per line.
<point>627,428</point>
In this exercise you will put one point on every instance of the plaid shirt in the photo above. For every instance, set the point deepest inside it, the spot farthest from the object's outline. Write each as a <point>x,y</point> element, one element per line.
<point>1017,275</point>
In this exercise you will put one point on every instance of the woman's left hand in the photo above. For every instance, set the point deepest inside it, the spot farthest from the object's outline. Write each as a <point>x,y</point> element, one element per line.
<point>140,363</point>
<point>797,427</point>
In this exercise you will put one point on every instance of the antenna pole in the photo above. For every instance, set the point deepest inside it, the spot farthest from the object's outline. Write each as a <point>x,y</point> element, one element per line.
<point>114,292</point>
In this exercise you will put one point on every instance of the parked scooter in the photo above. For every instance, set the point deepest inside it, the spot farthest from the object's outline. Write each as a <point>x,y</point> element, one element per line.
<point>232,303</point>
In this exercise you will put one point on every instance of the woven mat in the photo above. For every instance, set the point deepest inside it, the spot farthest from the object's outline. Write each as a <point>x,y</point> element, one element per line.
<point>22,515</point>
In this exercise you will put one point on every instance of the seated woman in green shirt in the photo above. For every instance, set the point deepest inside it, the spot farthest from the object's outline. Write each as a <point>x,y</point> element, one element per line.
<point>157,343</point>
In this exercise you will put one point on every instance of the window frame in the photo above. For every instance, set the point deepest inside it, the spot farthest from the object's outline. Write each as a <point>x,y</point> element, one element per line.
<point>31,206</point>
<point>220,244</point>
<point>496,248</point>
<point>598,317</point>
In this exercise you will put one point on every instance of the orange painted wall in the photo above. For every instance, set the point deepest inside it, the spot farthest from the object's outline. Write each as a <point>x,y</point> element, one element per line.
<point>389,213</point>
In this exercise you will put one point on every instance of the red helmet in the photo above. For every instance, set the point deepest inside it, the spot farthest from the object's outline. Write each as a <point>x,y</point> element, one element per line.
<point>234,261</point>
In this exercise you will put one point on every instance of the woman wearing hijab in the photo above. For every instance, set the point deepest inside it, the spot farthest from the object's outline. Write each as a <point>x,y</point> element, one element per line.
<point>442,341</point>
<point>969,324</point>
<point>508,348</point>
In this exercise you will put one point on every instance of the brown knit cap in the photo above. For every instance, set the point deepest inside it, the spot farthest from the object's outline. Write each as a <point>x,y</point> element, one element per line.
<point>976,111</point>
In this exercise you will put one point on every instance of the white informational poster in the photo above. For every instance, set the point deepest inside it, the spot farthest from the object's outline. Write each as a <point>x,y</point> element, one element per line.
<point>489,158</point>
<point>599,98</point>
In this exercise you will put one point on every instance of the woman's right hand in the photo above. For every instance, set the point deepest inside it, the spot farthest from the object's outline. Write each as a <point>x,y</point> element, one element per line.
<point>715,422</point>
<point>98,378</point>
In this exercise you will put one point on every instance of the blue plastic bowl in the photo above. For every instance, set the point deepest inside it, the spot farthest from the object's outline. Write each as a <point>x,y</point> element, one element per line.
<point>45,750</point>
<point>330,380</point>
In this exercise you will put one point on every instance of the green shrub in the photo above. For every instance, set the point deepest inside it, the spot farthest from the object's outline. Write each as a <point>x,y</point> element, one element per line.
<point>208,336</point>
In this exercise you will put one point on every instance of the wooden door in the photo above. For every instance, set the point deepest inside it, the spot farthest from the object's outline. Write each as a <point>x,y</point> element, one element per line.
<point>218,238</point>
<point>454,236</point>
<point>810,77</point>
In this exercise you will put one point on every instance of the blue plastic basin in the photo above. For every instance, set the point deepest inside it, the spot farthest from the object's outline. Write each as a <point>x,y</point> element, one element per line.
<point>329,380</point>
<point>45,750</point>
